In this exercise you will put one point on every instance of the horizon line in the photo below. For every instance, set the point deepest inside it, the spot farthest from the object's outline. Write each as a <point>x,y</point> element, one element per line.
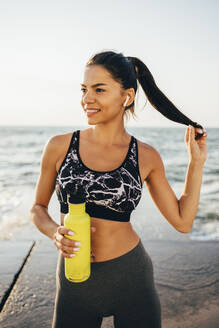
<point>82,125</point>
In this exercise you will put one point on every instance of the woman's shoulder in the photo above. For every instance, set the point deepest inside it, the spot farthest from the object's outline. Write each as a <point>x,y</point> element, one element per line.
<point>58,144</point>
<point>148,154</point>
<point>146,149</point>
<point>60,139</point>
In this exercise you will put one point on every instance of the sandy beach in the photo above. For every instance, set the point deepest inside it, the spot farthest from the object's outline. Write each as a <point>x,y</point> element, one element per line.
<point>186,274</point>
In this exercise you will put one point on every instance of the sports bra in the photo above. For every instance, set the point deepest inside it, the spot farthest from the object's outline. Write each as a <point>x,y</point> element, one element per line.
<point>110,195</point>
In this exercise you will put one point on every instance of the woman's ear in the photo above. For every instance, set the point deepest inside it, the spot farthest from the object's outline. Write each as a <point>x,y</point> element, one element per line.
<point>127,99</point>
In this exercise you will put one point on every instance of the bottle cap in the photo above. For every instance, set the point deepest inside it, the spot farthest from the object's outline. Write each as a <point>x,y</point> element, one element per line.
<point>77,196</point>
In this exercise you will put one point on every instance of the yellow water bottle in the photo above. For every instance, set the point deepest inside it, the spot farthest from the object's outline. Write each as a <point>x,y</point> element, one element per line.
<point>78,268</point>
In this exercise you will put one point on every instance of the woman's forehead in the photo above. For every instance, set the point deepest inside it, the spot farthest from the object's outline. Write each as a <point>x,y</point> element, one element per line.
<point>97,74</point>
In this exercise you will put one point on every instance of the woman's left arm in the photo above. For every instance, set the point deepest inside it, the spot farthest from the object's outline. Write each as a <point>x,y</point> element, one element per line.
<point>179,212</point>
<point>188,202</point>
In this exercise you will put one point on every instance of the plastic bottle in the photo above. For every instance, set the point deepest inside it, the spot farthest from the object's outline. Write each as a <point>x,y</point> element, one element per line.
<point>78,268</point>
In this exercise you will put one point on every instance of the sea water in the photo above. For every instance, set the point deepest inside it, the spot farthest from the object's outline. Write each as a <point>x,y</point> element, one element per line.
<point>20,155</point>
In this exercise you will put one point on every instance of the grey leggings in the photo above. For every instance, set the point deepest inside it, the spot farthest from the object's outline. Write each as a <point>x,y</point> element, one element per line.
<point>122,287</point>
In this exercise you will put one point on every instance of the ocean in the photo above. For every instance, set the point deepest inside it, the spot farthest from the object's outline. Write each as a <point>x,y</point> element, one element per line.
<point>20,155</point>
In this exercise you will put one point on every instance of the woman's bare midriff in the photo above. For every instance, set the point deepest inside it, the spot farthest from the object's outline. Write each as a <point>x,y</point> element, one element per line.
<point>111,238</point>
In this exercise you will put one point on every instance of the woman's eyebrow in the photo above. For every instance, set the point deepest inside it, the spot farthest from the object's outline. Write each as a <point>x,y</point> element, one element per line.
<point>94,85</point>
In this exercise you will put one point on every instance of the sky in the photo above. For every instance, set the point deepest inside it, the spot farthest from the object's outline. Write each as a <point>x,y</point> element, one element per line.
<point>45,46</point>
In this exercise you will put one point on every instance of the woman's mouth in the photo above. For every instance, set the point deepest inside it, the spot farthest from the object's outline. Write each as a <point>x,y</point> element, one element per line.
<point>91,112</point>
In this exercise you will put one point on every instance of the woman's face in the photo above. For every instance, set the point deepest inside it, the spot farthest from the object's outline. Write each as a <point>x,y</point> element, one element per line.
<point>100,91</point>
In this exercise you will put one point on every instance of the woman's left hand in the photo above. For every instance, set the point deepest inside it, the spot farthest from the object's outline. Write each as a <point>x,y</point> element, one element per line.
<point>197,149</point>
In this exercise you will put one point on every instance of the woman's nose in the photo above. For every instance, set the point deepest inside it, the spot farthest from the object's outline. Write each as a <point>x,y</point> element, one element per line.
<point>88,98</point>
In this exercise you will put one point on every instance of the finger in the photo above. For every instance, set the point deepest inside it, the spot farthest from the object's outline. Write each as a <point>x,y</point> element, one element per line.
<point>93,229</point>
<point>198,130</point>
<point>70,250</point>
<point>63,231</point>
<point>202,140</point>
<point>55,242</point>
<point>67,255</point>
<point>67,248</point>
<point>58,245</point>
<point>191,134</point>
<point>199,133</point>
<point>187,135</point>
<point>65,236</point>
<point>65,241</point>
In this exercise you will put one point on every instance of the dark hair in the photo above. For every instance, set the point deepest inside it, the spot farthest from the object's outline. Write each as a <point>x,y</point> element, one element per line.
<point>127,70</point>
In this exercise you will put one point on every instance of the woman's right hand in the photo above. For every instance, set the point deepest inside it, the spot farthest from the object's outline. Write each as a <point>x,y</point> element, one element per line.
<point>66,246</point>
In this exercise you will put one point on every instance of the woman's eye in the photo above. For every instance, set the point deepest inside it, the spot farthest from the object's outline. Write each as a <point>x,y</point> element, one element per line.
<point>98,90</point>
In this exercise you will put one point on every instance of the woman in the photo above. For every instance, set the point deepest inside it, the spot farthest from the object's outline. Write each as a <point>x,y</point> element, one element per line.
<point>111,167</point>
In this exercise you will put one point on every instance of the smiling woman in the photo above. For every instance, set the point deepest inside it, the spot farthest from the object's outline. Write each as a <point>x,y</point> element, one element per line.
<point>132,69</point>
<point>106,93</point>
<point>111,166</point>
<point>93,110</point>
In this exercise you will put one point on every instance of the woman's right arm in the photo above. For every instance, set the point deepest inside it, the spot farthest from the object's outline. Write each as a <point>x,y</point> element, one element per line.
<point>45,187</point>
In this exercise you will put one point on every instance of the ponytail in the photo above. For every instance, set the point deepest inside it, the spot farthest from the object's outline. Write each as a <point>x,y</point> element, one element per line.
<point>156,97</point>
<point>126,71</point>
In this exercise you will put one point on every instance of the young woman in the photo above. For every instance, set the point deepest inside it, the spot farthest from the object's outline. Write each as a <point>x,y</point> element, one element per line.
<point>111,167</point>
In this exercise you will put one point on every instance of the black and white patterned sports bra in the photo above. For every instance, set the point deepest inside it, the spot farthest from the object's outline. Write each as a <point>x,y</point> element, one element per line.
<point>110,195</point>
